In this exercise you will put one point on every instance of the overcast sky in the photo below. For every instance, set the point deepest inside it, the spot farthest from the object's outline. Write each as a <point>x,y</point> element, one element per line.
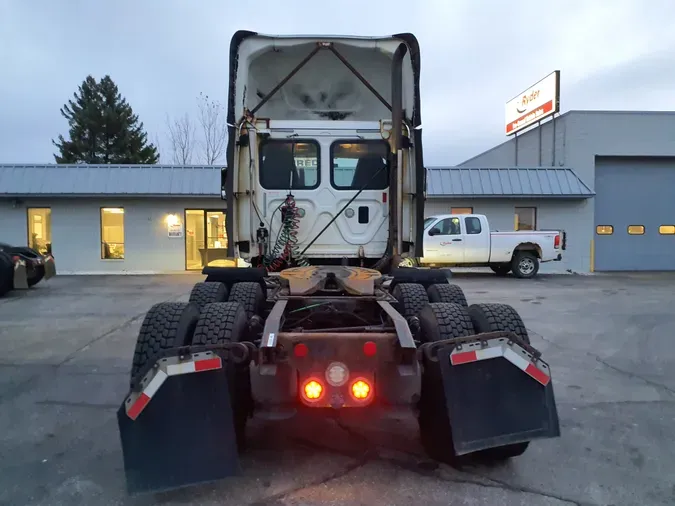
<point>476,54</point>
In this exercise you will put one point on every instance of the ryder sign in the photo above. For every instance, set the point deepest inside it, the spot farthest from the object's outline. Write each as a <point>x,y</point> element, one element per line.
<point>534,104</point>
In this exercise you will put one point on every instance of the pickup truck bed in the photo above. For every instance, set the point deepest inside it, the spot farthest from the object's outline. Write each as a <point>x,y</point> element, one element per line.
<point>465,240</point>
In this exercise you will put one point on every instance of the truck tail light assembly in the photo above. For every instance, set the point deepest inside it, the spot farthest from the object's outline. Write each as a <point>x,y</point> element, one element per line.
<point>556,241</point>
<point>361,390</point>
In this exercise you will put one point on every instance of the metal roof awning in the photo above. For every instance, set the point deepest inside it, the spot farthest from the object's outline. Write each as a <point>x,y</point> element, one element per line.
<point>111,180</point>
<point>516,182</point>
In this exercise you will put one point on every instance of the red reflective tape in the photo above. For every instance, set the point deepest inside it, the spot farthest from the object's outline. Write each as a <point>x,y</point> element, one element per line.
<point>138,406</point>
<point>540,376</point>
<point>463,358</point>
<point>208,365</point>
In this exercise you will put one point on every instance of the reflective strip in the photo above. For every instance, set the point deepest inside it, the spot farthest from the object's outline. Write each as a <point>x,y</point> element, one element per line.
<point>466,357</point>
<point>526,366</point>
<point>146,395</point>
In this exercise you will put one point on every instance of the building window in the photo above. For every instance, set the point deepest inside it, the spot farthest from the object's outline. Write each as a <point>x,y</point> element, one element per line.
<point>636,229</point>
<point>461,210</point>
<point>112,233</point>
<point>40,229</point>
<point>526,218</point>
<point>472,225</point>
<point>667,230</point>
<point>604,230</point>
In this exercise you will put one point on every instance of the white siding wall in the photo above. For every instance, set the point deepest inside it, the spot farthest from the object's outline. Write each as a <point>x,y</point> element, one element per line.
<point>551,213</point>
<point>76,232</point>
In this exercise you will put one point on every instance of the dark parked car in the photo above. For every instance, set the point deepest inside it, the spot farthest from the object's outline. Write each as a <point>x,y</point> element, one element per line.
<point>23,267</point>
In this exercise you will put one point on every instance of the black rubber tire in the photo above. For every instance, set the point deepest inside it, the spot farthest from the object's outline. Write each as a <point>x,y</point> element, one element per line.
<point>499,318</point>
<point>6,273</point>
<point>447,293</point>
<point>411,297</point>
<point>439,321</point>
<point>166,325</point>
<point>38,274</point>
<point>521,256</point>
<point>207,292</point>
<point>501,270</point>
<point>220,323</point>
<point>250,295</point>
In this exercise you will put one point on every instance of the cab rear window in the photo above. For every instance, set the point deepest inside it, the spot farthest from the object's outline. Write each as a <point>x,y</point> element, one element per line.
<point>356,164</point>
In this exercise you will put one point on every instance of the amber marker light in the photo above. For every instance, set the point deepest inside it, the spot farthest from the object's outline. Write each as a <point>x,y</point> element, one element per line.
<point>360,390</point>
<point>313,390</point>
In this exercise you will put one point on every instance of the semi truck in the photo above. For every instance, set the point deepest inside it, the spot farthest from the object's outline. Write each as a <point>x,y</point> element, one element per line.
<point>325,195</point>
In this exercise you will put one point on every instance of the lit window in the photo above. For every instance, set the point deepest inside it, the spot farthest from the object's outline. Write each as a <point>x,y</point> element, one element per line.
<point>461,210</point>
<point>636,229</point>
<point>525,218</point>
<point>112,233</point>
<point>604,230</point>
<point>40,229</point>
<point>667,229</point>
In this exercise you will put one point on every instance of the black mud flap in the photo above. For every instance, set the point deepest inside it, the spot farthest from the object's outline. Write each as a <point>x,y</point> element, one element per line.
<point>184,435</point>
<point>493,403</point>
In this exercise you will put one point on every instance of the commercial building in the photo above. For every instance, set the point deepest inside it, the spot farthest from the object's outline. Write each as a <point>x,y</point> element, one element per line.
<point>626,159</point>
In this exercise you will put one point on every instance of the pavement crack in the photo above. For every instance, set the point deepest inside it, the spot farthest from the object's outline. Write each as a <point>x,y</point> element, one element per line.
<point>102,336</point>
<point>604,362</point>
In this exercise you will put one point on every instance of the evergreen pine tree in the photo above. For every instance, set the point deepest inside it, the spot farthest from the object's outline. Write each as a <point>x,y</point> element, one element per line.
<point>103,128</point>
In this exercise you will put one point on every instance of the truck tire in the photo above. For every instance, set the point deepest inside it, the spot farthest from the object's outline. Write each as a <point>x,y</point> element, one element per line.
<point>166,325</point>
<point>501,270</point>
<point>207,292</point>
<point>6,273</point>
<point>221,323</point>
<point>525,264</point>
<point>447,293</point>
<point>250,295</point>
<point>439,321</point>
<point>499,318</point>
<point>411,297</point>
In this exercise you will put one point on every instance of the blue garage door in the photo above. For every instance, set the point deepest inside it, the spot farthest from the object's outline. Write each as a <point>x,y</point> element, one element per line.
<point>634,214</point>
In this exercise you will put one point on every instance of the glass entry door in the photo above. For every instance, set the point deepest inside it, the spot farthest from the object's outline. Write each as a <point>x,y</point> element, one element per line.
<point>205,238</point>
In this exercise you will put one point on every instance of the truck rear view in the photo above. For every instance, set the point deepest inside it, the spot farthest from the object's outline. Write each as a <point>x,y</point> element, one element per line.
<point>324,187</point>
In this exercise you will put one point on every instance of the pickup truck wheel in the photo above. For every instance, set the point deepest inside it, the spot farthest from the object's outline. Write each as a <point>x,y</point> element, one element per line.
<point>525,264</point>
<point>447,293</point>
<point>439,321</point>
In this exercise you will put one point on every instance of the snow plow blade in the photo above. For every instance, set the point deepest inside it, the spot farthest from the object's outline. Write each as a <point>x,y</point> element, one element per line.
<point>50,267</point>
<point>179,429</point>
<point>495,393</point>
<point>20,276</point>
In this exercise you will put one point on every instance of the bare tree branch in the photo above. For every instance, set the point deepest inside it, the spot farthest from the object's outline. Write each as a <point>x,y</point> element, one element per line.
<point>212,118</point>
<point>182,139</point>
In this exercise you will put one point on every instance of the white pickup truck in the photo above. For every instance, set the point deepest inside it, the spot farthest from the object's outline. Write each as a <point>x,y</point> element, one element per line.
<point>465,240</point>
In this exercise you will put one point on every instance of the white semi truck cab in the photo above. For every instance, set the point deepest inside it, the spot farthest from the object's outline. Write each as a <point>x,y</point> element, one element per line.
<point>324,158</point>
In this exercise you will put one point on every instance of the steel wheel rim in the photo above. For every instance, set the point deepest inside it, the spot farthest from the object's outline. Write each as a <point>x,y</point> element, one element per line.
<point>526,265</point>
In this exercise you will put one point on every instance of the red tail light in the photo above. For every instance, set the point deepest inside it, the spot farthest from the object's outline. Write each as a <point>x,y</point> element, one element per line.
<point>300,350</point>
<point>556,241</point>
<point>369,349</point>
<point>16,258</point>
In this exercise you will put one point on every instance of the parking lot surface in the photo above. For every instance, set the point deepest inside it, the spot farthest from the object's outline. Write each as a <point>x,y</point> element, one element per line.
<point>66,352</point>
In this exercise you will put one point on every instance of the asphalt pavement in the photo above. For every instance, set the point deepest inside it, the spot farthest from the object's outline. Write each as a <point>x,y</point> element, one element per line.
<point>66,352</point>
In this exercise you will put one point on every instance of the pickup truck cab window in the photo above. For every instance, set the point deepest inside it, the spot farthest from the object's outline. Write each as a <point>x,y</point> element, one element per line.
<point>472,225</point>
<point>448,226</point>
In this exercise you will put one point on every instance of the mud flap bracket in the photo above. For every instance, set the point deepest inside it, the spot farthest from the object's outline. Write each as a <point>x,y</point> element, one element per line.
<point>493,398</point>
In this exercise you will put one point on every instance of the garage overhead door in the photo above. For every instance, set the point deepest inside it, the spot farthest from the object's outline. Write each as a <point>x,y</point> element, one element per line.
<point>634,214</point>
